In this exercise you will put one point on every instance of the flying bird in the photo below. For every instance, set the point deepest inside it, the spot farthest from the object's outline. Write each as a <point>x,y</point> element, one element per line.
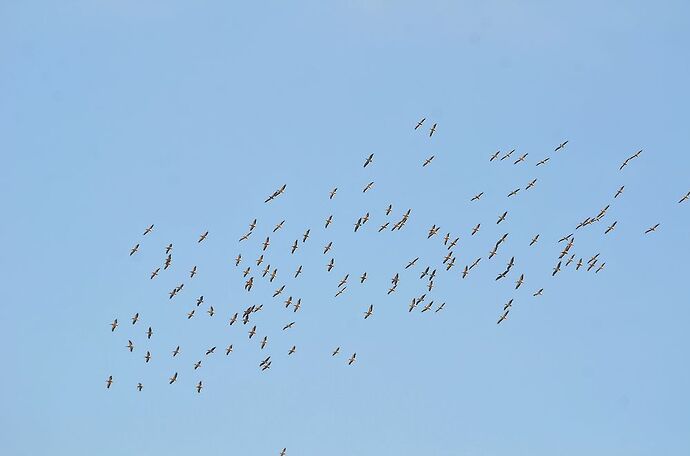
<point>368,160</point>
<point>419,124</point>
<point>560,146</point>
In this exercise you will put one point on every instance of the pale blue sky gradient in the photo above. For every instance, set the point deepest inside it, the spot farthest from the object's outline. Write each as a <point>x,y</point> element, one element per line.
<point>118,114</point>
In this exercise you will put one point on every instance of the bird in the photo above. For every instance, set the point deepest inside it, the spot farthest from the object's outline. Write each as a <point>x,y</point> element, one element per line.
<point>176,351</point>
<point>336,351</point>
<point>135,318</point>
<point>363,277</point>
<point>109,381</point>
<point>155,273</point>
<point>651,229</point>
<point>531,184</point>
<point>502,217</point>
<point>519,281</point>
<point>210,351</point>
<point>507,155</point>
<point>113,325</point>
<point>148,230</point>
<point>684,198</point>
<point>292,350</point>
<point>147,357</point>
<point>329,220</point>
<point>252,225</point>
<point>543,162</point>
<point>419,124</point>
<point>521,158</point>
<point>130,346</point>
<point>202,237</point>
<point>173,378</point>
<point>228,350</point>
<point>278,226</point>
<point>368,160</point>
<point>611,227</point>
<point>149,333</point>
<point>539,292</point>
<point>305,236</point>
<point>620,190</point>
<point>503,317</point>
<point>389,209</point>
<point>330,265</point>
<point>369,311</point>
<point>289,325</point>
<point>368,186</point>
<point>439,308</point>
<point>298,271</point>
<point>560,146</point>
<point>134,250</point>
<point>192,273</point>
<point>534,240</point>
<point>168,249</point>
<point>140,386</point>
<point>384,226</point>
<point>197,365</point>
<point>266,243</point>
<point>264,341</point>
<point>477,196</point>
<point>352,359</point>
<point>556,269</point>
<point>427,161</point>
<point>327,247</point>
<point>198,387</point>
<point>294,247</point>
<point>252,331</point>
<point>514,192</point>
<point>332,193</point>
<point>432,130</point>
<point>494,156</point>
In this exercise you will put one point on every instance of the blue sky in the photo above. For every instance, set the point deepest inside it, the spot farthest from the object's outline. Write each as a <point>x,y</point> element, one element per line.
<point>116,115</point>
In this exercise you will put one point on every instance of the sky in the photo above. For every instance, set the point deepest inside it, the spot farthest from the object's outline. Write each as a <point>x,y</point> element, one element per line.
<point>115,115</point>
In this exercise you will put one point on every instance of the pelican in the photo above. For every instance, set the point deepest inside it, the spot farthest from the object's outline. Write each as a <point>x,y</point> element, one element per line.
<point>369,160</point>
<point>109,381</point>
<point>329,220</point>
<point>651,229</point>
<point>148,230</point>
<point>432,130</point>
<point>134,250</point>
<point>113,325</point>
<point>560,146</point>
<point>369,311</point>
<point>202,237</point>
<point>419,124</point>
<point>352,359</point>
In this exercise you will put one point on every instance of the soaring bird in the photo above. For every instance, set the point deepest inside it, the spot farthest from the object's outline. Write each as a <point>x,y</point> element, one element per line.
<point>531,184</point>
<point>560,146</point>
<point>543,162</point>
<point>419,124</point>
<point>147,357</point>
<point>176,351</point>
<point>477,196</point>
<point>332,193</point>
<point>130,346</point>
<point>427,161</point>
<point>336,351</point>
<point>294,247</point>
<point>198,387</point>
<point>685,198</point>
<point>432,130</point>
<point>651,229</point>
<point>534,240</point>
<point>521,159</point>
<point>140,386</point>
<point>503,317</point>
<point>368,186</point>
<point>611,227</point>
<point>330,265</point>
<point>202,237</point>
<point>352,359</point>
<point>289,325</point>
<point>228,350</point>
<point>369,160</point>
<point>494,156</point>
<point>514,192</point>
<point>369,311</point>
<point>155,273</point>
<point>363,277</point>
<point>192,273</point>
<point>502,217</point>
<point>264,341</point>
<point>168,249</point>
<point>113,325</point>
<point>149,333</point>
<point>148,230</point>
<point>329,220</point>
<point>210,311</point>
<point>305,236</point>
<point>298,271</point>
<point>173,378</point>
<point>556,269</point>
<point>135,318</point>
<point>389,209</point>
<point>134,250</point>
<point>620,190</point>
<point>109,381</point>
<point>539,292</point>
<point>327,247</point>
<point>519,281</point>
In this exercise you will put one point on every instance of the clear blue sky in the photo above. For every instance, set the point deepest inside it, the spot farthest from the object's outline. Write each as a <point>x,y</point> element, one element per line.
<point>118,114</point>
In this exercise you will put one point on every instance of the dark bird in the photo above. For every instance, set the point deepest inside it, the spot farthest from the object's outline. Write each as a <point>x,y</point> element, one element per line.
<point>368,160</point>
<point>432,130</point>
<point>477,196</point>
<point>109,381</point>
<point>620,191</point>
<point>419,124</point>
<point>148,230</point>
<point>560,146</point>
<point>427,161</point>
<point>494,156</point>
<point>685,198</point>
<point>543,162</point>
<point>155,273</point>
<point>202,237</point>
<point>502,217</point>
<point>134,250</point>
<point>651,229</point>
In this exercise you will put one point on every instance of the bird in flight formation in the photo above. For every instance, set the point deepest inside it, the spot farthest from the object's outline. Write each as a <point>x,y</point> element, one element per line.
<point>412,286</point>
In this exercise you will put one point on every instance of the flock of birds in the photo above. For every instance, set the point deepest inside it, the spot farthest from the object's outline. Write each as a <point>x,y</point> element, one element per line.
<point>261,269</point>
